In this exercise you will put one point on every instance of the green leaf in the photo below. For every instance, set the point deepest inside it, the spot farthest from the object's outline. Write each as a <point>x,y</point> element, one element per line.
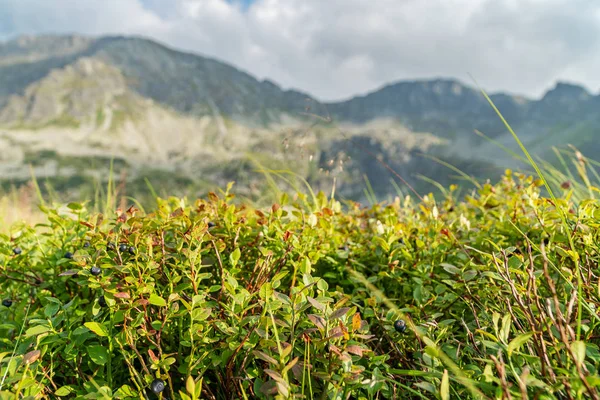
<point>125,391</point>
<point>200,314</point>
<point>517,342</point>
<point>305,266</point>
<point>578,349</point>
<point>322,285</point>
<point>74,206</point>
<point>53,300</point>
<point>230,280</point>
<point>234,257</point>
<point>156,300</point>
<point>190,385</point>
<point>37,330</point>
<point>214,288</point>
<point>169,361</point>
<point>451,269</point>
<point>98,354</point>
<point>418,294</point>
<point>64,391</point>
<point>98,329</point>
<point>505,330</point>
<point>470,274</point>
<point>445,386</point>
<point>266,291</point>
<point>51,309</point>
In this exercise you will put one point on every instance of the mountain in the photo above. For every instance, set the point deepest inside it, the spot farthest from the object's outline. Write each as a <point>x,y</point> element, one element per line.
<point>68,104</point>
<point>184,82</point>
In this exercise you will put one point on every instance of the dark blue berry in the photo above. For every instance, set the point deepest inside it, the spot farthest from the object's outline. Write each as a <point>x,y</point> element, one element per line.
<point>69,255</point>
<point>131,250</point>
<point>400,326</point>
<point>211,224</point>
<point>7,302</point>
<point>17,250</point>
<point>95,270</point>
<point>102,301</point>
<point>86,244</point>
<point>122,248</point>
<point>157,386</point>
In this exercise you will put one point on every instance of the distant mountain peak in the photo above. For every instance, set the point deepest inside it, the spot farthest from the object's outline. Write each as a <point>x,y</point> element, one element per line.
<point>567,91</point>
<point>438,85</point>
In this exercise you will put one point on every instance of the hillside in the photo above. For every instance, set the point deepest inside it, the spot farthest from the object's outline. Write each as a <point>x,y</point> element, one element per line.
<point>68,104</point>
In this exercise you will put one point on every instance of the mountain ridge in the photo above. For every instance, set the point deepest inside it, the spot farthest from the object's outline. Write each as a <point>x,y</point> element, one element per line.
<point>49,38</point>
<point>151,105</point>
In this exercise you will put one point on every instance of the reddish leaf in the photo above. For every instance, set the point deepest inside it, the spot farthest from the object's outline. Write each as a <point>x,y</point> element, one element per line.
<point>31,357</point>
<point>339,313</point>
<point>177,213</point>
<point>335,333</point>
<point>153,356</point>
<point>213,197</point>
<point>265,357</point>
<point>315,303</point>
<point>269,388</point>
<point>354,349</point>
<point>335,349</point>
<point>317,320</point>
<point>132,210</point>
<point>286,236</point>
<point>274,374</point>
<point>297,370</point>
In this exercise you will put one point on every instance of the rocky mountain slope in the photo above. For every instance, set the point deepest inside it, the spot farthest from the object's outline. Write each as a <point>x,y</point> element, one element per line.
<point>68,104</point>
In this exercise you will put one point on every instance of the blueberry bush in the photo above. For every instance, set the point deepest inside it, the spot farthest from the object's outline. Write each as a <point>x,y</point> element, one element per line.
<point>491,295</point>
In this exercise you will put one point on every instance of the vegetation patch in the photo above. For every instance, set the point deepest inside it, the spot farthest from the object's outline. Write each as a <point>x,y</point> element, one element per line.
<point>494,295</point>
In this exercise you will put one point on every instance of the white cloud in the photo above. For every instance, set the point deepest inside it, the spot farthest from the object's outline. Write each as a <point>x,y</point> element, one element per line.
<point>92,17</point>
<point>336,48</point>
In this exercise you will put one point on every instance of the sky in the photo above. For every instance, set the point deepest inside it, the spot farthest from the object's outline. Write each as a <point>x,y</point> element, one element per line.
<point>334,49</point>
